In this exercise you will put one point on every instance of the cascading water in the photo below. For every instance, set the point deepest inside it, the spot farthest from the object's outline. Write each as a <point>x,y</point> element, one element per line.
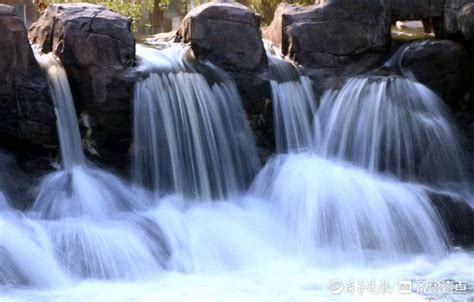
<point>308,218</point>
<point>391,124</point>
<point>330,208</point>
<point>191,137</point>
<point>78,189</point>
<point>81,207</point>
<point>26,256</point>
<point>294,105</point>
<point>68,131</point>
<point>339,212</point>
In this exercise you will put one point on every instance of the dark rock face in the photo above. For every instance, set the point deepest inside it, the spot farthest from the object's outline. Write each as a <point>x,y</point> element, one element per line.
<point>96,47</point>
<point>458,217</point>
<point>444,66</point>
<point>457,22</point>
<point>17,187</point>
<point>465,123</point>
<point>27,120</point>
<point>255,92</point>
<point>415,10</point>
<point>227,34</point>
<point>331,33</point>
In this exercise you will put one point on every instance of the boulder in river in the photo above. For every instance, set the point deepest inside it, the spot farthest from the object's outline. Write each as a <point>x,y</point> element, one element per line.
<point>27,120</point>
<point>227,34</point>
<point>96,47</point>
<point>331,33</point>
<point>444,66</point>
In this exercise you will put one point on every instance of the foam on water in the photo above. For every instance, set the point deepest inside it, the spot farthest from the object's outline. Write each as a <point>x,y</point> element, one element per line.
<point>26,256</point>
<point>342,211</point>
<point>85,192</point>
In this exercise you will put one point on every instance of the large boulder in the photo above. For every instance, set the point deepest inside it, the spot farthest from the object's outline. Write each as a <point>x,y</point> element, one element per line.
<point>415,10</point>
<point>444,66</point>
<point>458,217</point>
<point>458,21</point>
<point>227,34</point>
<point>27,120</point>
<point>331,33</point>
<point>96,47</point>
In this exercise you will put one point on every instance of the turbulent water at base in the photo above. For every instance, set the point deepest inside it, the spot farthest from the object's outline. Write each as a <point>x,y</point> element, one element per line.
<point>308,220</point>
<point>340,210</point>
<point>294,105</point>
<point>191,136</point>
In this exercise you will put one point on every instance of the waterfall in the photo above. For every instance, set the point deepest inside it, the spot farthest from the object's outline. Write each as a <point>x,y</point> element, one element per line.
<point>345,197</point>
<point>191,136</point>
<point>391,124</point>
<point>329,206</point>
<point>82,210</point>
<point>66,118</point>
<point>294,104</point>
<point>340,212</point>
<point>79,189</point>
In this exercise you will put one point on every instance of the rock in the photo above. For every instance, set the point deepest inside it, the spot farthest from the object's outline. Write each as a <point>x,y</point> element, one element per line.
<point>415,10</point>
<point>96,47</point>
<point>255,92</point>
<point>458,217</point>
<point>466,24</point>
<point>444,66</point>
<point>227,34</point>
<point>458,22</point>
<point>15,185</point>
<point>331,33</point>
<point>27,120</point>
<point>465,123</point>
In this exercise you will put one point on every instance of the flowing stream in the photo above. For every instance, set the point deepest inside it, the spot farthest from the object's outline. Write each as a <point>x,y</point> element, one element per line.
<point>191,135</point>
<point>200,221</point>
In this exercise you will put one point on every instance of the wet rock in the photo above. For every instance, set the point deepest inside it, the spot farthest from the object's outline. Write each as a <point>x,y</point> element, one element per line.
<point>96,47</point>
<point>15,184</point>
<point>444,66</point>
<point>458,217</point>
<point>27,120</point>
<point>255,92</point>
<point>331,33</point>
<point>227,34</point>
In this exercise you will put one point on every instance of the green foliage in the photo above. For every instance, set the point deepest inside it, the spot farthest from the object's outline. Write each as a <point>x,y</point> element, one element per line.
<point>130,8</point>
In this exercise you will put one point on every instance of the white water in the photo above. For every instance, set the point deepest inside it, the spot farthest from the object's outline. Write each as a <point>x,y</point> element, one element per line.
<point>294,104</point>
<point>66,117</point>
<point>239,251</point>
<point>79,189</point>
<point>307,219</point>
<point>26,256</point>
<point>342,211</point>
<point>190,137</point>
<point>391,124</point>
